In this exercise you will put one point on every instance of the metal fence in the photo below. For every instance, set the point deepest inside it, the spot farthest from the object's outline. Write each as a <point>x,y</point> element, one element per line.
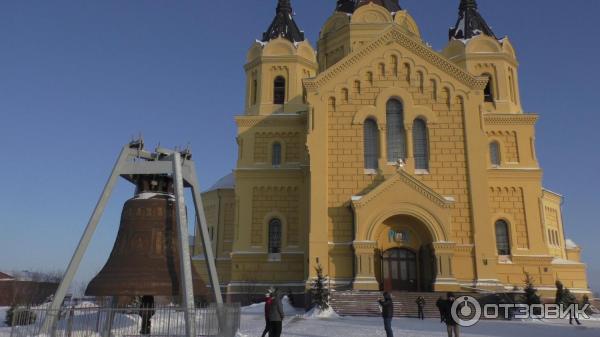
<point>91,321</point>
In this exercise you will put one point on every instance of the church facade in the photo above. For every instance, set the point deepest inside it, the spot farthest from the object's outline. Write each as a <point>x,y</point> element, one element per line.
<point>389,164</point>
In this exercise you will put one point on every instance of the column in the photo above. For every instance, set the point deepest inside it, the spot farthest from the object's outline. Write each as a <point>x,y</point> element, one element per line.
<point>364,266</point>
<point>444,274</point>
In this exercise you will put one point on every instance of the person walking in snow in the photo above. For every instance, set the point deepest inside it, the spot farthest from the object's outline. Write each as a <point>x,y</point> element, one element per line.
<point>268,302</point>
<point>451,325</point>
<point>440,305</point>
<point>420,305</point>
<point>387,312</point>
<point>276,316</point>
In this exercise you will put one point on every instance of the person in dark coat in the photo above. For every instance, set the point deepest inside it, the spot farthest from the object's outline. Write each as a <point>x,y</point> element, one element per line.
<point>440,305</point>
<point>268,302</point>
<point>146,312</point>
<point>276,316</point>
<point>420,305</point>
<point>451,325</point>
<point>387,312</point>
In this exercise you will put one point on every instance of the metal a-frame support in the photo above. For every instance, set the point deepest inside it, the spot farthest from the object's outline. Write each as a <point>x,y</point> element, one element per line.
<point>133,161</point>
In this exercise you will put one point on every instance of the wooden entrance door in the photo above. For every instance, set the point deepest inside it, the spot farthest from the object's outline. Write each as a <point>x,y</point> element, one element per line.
<point>400,270</point>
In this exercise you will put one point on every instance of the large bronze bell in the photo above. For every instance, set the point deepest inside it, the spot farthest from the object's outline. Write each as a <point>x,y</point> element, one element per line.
<point>145,257</point>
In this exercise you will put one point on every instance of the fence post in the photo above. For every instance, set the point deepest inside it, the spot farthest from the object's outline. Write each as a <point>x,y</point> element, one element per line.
<point>110,315</point>
<point>70,321</point>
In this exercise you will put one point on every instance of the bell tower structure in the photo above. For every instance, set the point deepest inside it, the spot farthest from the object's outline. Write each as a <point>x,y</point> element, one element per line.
<point>474,46</point>
<point>276,65</point>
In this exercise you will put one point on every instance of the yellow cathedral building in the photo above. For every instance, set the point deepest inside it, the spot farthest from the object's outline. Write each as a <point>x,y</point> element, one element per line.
<point>392,165</point>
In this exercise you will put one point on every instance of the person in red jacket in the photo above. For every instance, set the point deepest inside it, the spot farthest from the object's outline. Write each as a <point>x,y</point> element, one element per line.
<point>268,302</point>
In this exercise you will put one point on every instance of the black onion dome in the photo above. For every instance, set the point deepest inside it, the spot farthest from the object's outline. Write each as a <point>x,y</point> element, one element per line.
<point>283,24</point>
<point>390,5</point>
<point>470,23</point>
<point>345,6</point>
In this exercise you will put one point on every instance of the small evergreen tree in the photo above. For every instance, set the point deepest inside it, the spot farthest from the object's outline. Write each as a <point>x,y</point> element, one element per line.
<point>320,293</point>
<point>560,289</point>
<point>564,295</point>
<point>531,297</point>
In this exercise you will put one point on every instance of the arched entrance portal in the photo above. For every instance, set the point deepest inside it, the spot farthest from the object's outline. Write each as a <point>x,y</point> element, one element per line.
<point>400,270</point>
<point>405,259</point>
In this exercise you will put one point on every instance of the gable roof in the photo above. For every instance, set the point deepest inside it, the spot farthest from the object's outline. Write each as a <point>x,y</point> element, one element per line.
<point>403,177</point>
<point>4,276</point>
<point>395,34</point>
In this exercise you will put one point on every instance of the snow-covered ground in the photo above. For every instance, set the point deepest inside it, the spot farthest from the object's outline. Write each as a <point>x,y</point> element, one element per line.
<point>298,324</point>
<point>3,311</point>
<point>328,324</point>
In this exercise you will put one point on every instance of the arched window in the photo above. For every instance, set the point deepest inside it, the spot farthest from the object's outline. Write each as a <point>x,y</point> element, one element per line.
<point>394,62</point>
<point>331,103</point>
<point>357,87</point>
<point>420,144</point>
<point>371,140</point>
<point>275,236</point>
<point>276,154</point>
<point>488,92</point>
<point>502,238</point>
<point>495,154</point>
<point>279,90</point>
<point>345,96</point>
<point>396,135</point>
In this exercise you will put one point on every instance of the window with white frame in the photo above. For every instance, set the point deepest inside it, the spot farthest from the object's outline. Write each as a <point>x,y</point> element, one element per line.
<point>495,158</point>
<point>275,236</point>
<point>371,144</point>
<point>396,134</point>
<point>420,144</point>
<point>502,238</point>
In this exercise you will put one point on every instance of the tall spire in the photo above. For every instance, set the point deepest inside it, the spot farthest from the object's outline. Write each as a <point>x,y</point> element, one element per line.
<point>345,6</point>
<point>390,5</point>
<point>470,23</point>
<point>283,24</point>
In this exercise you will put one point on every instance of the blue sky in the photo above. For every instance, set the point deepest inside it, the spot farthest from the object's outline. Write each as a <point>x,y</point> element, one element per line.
<point>79,78</point>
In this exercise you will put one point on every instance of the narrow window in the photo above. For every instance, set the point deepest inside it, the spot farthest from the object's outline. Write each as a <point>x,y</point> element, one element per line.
<point>357,87</point>
<point>488,92</point>
<point>394,65</point>
<point>371,143</point>
<point>331,103</point>
<point>396,135</point>
<point>502,239</point>
<point>434,90</point>
<point>254,91</point>
<point>275,236</point>
<point>345,96</point>
<point>407,72</point>
<point>279,90</point>
<point>381,69</point>
<point>370,78</point>
<point>276,155</point>
<point>420,144</point>
<point>495,154</point>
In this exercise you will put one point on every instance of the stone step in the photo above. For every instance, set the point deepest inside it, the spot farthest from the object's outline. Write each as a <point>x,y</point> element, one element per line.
<point>353,303</point>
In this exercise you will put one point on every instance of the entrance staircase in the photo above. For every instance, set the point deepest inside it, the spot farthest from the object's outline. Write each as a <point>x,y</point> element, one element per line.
<point>364,303</point>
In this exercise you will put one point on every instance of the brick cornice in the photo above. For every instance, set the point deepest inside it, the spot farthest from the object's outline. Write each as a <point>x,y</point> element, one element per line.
<point>510,119</point>
<point>395,34</point>
<point>249,121</point>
